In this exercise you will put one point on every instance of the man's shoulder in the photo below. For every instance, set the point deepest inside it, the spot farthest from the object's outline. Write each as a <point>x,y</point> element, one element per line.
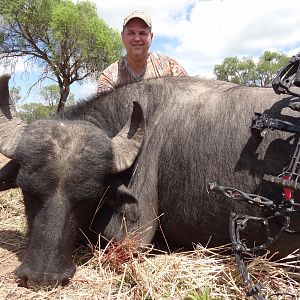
<point>168,65</point>
<point>114,66</point>
<point>159,56</point>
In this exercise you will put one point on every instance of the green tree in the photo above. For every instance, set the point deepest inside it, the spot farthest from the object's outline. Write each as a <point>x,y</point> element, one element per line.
<point>268,65</point>
<point>236,70</point>
<point>67,40</point>
<point>14,93</point>
<point>245,71</point>
<point>30,112</point>
<point>51,95</point>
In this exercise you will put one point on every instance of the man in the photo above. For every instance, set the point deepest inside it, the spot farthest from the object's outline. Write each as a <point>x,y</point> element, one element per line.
<point>138,63</point>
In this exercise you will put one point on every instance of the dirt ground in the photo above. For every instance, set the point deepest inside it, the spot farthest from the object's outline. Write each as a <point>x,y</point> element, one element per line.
<point>12,241</point>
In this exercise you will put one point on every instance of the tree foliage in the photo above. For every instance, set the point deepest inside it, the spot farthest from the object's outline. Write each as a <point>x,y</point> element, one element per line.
<point>14,93</point>
<point>33,111</point>
<point>245,71</point>
<point>67,40</point>
<point>268,65</point>
<point>51,96</point>
<point>30,112</point>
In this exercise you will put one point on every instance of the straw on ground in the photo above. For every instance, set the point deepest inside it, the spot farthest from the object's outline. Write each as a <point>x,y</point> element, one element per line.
<point>119,272</point>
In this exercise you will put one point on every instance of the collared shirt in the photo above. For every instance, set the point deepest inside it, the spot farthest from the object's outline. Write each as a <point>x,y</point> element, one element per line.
<point>119,74</point>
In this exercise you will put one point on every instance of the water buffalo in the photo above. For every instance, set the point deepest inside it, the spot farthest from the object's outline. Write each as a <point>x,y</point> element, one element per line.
<point>157,144</point>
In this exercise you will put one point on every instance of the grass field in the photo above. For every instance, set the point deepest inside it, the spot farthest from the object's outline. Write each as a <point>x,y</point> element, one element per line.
<point>118,272</point>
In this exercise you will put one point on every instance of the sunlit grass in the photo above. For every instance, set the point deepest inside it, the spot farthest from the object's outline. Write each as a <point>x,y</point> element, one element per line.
<point>119,271</point>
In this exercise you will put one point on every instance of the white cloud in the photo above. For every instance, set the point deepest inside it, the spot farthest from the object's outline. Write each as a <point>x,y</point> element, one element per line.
<point>113,12</point>
<point>207,31</point>
<point>201,33</point>
<point>82,91</point>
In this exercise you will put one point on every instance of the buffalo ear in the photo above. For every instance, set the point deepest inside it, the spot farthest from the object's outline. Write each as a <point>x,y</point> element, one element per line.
<point>8,175</point>
<point>127,143</point>
<point>127,204</point>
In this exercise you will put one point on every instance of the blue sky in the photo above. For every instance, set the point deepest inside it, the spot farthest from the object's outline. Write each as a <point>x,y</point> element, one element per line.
<point>200,33</point>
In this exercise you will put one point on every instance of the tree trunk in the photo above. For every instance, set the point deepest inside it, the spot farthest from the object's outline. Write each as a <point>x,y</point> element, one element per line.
<point>64,93</point>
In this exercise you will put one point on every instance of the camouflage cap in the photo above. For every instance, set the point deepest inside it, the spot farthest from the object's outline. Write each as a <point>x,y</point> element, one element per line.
<point>140,15</point>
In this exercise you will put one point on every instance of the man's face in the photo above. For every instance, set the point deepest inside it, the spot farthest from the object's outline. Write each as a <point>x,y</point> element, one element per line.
<point>137,38</point>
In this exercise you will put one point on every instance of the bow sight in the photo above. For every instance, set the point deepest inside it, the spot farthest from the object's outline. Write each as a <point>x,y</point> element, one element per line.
<point>287,76</point>
<point>289,180</point>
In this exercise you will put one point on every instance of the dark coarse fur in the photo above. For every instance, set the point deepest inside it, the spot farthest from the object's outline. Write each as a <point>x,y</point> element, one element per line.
<point>61,176</point>
<point>197,131</point>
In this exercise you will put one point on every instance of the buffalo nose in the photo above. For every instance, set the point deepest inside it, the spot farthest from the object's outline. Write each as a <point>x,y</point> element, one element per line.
<point>36,281</point>
<point>43,281</point>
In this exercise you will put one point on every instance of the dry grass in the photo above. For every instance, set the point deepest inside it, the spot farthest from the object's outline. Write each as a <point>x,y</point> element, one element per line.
<point>119,272</point>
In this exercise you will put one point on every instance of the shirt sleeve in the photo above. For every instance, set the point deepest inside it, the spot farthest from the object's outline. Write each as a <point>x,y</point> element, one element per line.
<point>106,80</point>
<point>104,84</point>
<point>176,68</point>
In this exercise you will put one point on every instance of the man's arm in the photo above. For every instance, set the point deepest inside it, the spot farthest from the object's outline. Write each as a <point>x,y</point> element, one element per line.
<point>107,79</point>
<point>176,68</point>
<point>105,84</point>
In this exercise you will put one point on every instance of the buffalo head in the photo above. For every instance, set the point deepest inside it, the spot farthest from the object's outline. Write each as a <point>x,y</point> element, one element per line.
<point>61,167</point>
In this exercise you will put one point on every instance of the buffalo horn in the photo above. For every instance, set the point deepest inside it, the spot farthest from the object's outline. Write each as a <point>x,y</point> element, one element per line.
<point>11,126</point>
<point>126,145</point>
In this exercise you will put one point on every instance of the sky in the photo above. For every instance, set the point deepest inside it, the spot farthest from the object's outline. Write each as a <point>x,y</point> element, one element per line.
<point>201,33</point>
